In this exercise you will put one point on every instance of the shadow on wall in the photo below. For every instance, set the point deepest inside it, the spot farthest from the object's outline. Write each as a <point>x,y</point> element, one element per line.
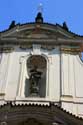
<point>27,88</point>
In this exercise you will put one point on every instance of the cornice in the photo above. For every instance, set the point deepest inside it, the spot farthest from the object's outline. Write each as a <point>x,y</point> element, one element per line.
<point>6,49</point>
<point>45,24</point>
<point>25,40</point>
<point>46,44</point>
<point>70,50</point>
<point>50,112</point>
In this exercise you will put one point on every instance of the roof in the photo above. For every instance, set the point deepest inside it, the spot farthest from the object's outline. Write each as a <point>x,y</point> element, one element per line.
<point>39,32</point>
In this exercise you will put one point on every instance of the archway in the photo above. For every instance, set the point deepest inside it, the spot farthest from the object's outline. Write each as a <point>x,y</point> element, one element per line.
<point>35,83</point>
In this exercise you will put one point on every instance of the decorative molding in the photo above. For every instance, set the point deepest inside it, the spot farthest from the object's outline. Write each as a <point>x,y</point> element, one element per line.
<point>2,94</point>
<point>67,98</point>
<point>6,49</point>
<point>36,49</point>
<point>70,50</point>
<point>24,47</point>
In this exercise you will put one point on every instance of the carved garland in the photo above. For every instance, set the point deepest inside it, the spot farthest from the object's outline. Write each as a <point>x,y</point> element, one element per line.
<point>67,50</point>
<point>70,50</point>
<point>6,49</point>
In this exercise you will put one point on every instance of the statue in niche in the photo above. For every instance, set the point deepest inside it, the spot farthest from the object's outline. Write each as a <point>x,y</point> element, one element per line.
<point>35,76</point>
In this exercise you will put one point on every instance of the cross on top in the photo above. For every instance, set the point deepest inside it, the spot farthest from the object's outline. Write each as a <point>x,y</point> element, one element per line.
<point>40,8</point>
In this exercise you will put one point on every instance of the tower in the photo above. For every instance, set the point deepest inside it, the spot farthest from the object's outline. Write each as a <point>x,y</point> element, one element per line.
<point>40,75</point>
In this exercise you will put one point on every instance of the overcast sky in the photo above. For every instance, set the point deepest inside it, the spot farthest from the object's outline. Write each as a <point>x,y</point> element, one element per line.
<point>54,11</point>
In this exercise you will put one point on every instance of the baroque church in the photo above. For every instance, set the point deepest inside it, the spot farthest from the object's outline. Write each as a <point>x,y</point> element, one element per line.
<point>41,75</point>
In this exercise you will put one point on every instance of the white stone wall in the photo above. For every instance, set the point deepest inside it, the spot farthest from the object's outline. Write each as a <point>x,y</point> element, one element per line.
<point>72,83</point>
<point>16,72</point>
<point>67,69</point>
<point>64,80</point>
<point>4,66</point>
<point>54,75</point>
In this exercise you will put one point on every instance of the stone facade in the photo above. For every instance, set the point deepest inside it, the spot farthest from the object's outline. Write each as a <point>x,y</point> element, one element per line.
<point>55,52</point>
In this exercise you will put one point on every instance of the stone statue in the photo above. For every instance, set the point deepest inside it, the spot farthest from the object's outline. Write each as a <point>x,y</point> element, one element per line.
<point>35,76</point>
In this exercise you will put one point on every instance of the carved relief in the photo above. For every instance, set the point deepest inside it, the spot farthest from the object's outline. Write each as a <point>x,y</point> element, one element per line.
<point>6,49</point>
<point>70,50</point>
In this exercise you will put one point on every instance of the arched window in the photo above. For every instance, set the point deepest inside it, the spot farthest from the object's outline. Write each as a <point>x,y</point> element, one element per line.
<point>35,82</point>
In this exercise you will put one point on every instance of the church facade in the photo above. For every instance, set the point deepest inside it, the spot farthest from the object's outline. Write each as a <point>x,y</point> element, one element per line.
<point>41,75</point>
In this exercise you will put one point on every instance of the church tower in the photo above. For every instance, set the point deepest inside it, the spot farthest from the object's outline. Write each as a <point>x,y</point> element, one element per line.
<point>41,74</point>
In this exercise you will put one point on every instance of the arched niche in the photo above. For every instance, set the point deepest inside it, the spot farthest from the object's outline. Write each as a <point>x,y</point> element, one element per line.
<point>35,82</point>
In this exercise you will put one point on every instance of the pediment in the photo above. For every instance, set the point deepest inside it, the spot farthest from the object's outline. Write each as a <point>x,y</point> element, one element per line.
<point>44,31</point>
<point>45,34</point>
<point>36,33</point>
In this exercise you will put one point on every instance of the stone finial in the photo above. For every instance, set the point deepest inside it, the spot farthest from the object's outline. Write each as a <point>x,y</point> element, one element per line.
<point>12,25</point>
<point>39,18</point>
<point>65,26</point>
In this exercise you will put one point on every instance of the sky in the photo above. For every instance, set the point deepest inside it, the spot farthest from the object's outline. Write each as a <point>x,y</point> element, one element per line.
<point>54,11</point>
